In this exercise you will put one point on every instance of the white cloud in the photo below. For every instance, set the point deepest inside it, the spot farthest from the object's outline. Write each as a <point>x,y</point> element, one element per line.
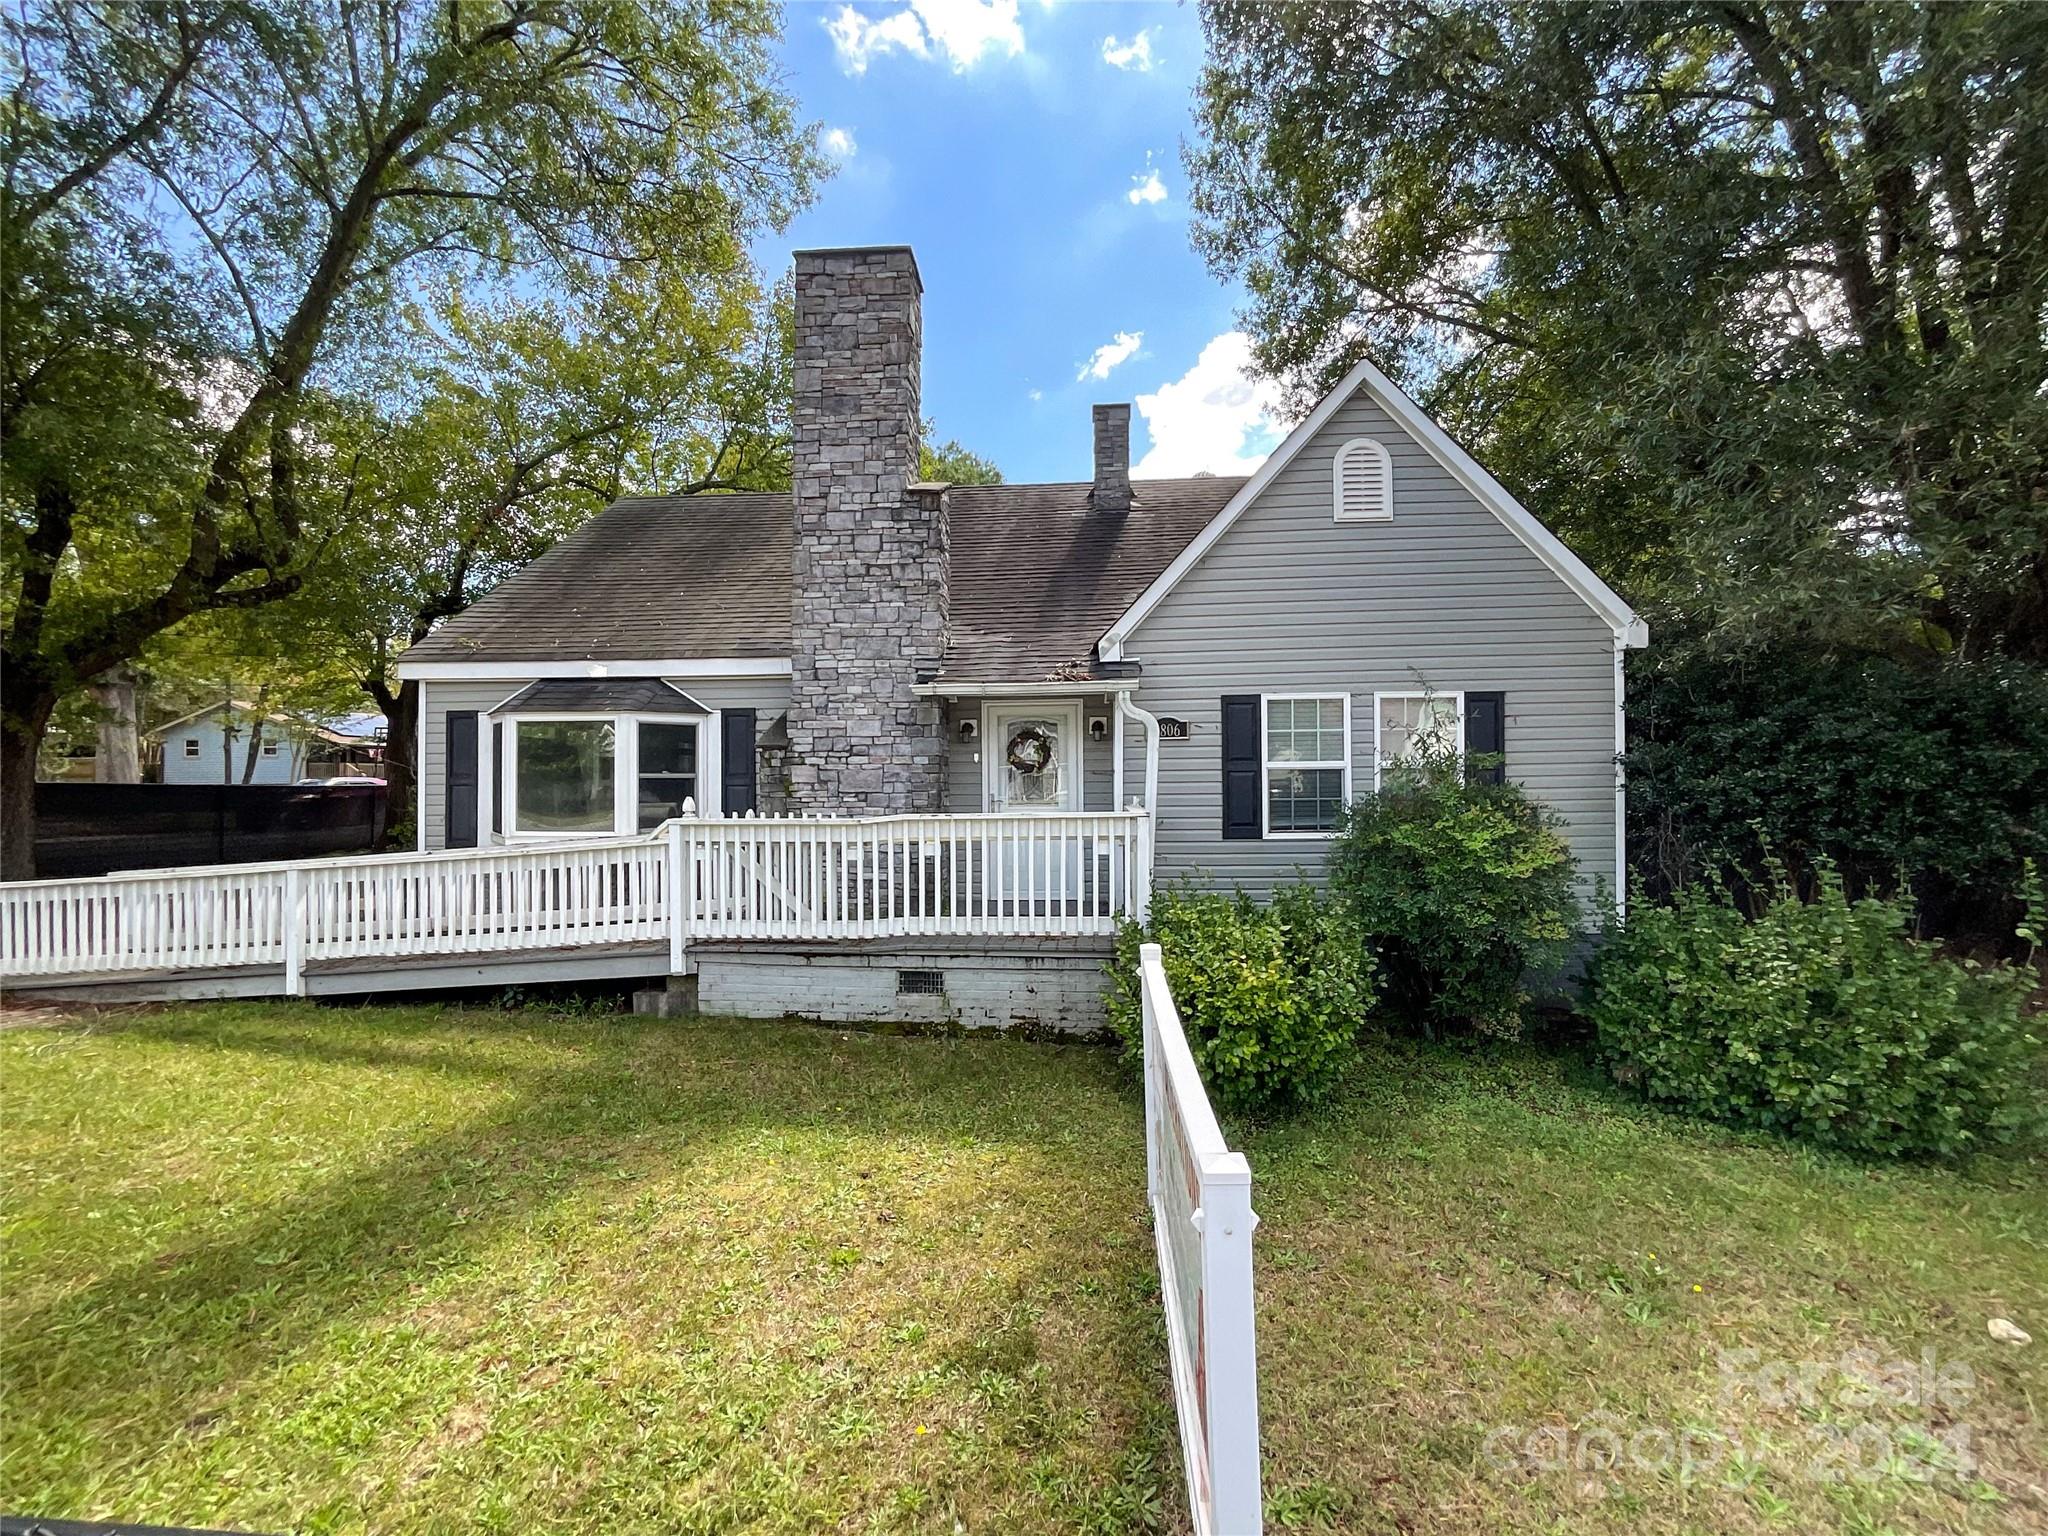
<point>1146,187</point>
<point>1034,395</point>
<point>1218,416</point>
<point>1109,354</point>
<point>1136,54</point>
<point>960,30</point>
<point>838,144</point>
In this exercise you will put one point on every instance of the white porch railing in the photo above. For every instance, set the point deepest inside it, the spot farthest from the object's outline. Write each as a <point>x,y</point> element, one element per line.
<point>795,878</point>
<point>1202,1224</point>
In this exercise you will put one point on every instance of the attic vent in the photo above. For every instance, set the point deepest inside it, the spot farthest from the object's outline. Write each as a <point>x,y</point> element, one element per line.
<point>920,983</point>
<point>1364,482</point>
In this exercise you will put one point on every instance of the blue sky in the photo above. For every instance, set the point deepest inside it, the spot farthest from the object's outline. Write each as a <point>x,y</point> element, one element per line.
<point>1030,152</point>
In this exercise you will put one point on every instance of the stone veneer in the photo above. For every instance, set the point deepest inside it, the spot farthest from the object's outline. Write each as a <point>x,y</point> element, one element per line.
<point>868,578</point>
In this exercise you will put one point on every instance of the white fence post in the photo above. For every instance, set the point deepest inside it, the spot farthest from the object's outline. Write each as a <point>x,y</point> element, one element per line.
<point>1227,1224</point>
<point>1202,1224</point>
<point>294,919</point>
<point>681,879</point>
<point>1141,869</point>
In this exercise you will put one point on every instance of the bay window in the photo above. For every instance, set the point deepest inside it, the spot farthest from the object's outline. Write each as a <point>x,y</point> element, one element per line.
<point>564,772</point>
<point>598,758</point>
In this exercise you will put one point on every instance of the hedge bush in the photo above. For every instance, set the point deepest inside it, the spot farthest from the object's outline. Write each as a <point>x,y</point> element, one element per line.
<point>1271,997</point>
<point>1821,1019</point>
<point>1934,773</point>
<point>1461,887</point>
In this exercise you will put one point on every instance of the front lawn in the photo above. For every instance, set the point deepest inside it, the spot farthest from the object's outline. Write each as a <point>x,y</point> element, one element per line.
<point>281,1267</point>
<point>1481,1260</point>
<point>388,1269</point>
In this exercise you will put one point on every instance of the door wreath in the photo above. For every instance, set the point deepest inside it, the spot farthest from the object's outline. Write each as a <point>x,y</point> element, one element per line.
<point>1030,750</point>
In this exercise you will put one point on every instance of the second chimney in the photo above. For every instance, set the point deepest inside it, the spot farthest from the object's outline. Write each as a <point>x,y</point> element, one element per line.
<point>1112,491</point>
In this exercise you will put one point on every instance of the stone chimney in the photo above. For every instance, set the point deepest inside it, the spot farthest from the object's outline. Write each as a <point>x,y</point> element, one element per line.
<point>868,578</point>
<point>1112,491</point>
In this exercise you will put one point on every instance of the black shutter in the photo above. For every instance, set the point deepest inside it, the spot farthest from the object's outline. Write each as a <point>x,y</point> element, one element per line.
<point>1486,726</point>
<point>1242,814</point>
<point>736,762</point>
<point>497,775</point>
<point>461,802</point>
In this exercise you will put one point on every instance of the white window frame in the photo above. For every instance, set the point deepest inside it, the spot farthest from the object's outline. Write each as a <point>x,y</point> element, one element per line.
<point>625,769</point>
<point>1266,701</point>
<point>269,749</point>
<point>1379,700</point>
<point>191,746</point>
<point>1377,450</point>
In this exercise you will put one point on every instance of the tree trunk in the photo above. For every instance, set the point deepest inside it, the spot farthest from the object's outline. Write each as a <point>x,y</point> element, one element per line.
<point>21,736</point>
<point>255,733</point>
<point>401,751</point>
<point>118,755</point>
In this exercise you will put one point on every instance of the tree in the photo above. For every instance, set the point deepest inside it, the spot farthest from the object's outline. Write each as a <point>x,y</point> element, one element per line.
<point>519,419</point>
<point>211,209</point>
<point>950,462</point>
<point>1744,298</point>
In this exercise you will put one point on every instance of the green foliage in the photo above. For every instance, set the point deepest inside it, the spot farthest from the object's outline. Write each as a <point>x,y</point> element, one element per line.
<point>1934,775</point>
<point>1460,887</point>
<point>1743,300</point>
<point>1821,1019</point>
<point>1271,998</point>
<point>951,462</point>
<point>212,218</point>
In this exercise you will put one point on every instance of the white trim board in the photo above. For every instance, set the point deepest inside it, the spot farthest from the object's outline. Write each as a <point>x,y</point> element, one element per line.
<point>1468,471</point>
<point>535,671</point>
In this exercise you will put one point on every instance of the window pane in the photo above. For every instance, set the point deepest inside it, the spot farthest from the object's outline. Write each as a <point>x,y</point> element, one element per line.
<point>668,771</point>
<point>1408,725</point>
<point>566,771</point>
<point>1305,730</point>
<point>1304,799</point>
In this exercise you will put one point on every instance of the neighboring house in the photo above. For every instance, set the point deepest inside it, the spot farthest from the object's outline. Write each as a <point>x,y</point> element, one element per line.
<point>211,746</point>
<point>1245,653</point>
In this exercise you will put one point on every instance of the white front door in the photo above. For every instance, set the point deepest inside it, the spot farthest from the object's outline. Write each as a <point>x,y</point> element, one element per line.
<point>1031,765</point>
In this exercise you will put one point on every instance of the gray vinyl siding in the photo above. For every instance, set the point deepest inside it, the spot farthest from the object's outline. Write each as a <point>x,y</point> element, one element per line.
<point>962,793</point>
<point>769,695</point>
<point>1291,601</point>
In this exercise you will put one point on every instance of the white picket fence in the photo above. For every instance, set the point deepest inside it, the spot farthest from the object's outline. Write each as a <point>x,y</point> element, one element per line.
<point>790,878</point>
<point>1202,1224</point>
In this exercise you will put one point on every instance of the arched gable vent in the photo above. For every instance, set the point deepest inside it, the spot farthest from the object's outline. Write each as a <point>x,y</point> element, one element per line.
<point>1364,482</point>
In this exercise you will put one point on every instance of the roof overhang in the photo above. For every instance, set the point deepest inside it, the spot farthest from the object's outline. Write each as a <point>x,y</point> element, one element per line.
<point>1091,687</point>
<point>481,671</point>
<point>1629,629</point>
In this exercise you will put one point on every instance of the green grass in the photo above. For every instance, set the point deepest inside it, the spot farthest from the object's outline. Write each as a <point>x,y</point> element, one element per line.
<point>1466,1244</point>
<point>402,1269</point>
<point>285,1267</point>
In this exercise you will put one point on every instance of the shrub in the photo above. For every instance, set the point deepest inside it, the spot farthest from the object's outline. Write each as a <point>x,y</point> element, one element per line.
<point>1937,773</point>
<point>1461,888</point>
<point>1821,1019</point>
<point>1271,997</point>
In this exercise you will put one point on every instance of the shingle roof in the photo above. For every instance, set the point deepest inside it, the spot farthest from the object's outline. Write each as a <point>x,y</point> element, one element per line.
<point>1037,575</point>
<point>605,695</point>
<point>650,578</point>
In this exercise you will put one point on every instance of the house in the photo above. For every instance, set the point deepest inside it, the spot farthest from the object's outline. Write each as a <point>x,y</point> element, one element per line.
<point>211,746</point>
<point>1241,655</point>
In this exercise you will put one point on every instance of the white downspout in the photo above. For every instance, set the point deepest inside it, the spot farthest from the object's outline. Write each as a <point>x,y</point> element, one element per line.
<point>1149,723</point>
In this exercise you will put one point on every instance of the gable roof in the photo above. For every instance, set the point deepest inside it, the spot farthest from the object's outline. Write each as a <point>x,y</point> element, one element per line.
<point>1035,575</point>
<point>1468,471</point>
